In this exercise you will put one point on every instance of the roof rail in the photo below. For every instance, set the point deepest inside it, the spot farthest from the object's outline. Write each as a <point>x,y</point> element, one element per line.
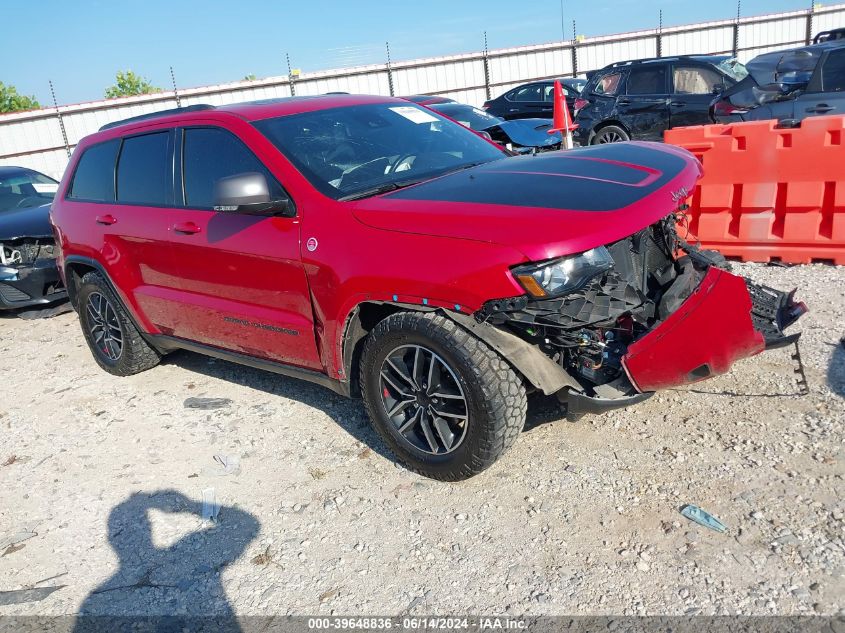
<point>154,115</point>
<point>657,59</point>
<point>827,36</point>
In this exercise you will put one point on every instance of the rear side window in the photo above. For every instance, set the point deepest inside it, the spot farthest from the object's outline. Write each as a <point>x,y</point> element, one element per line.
<point>534,92</point>
<point>608,85</point>
<point>695,80</point>
<point>647,80</point>
<point>142,170</point>
<point>210,154</point>
<point>94,176</point>
<point>833,72</point>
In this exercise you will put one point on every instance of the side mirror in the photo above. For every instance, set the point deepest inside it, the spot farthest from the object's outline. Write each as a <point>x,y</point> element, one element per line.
<point>717,89</point>
<point>249,194</point>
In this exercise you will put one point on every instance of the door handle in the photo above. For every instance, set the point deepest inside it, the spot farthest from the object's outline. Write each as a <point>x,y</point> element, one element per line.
<point>107,219</point>
<point>821,108</point>
<point>624,102</point>
<point>677,104</point>
<point>188,228</point>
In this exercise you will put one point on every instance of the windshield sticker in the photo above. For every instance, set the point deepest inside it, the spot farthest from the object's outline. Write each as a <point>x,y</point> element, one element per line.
<point>414,114</point>
<point>47,187</point>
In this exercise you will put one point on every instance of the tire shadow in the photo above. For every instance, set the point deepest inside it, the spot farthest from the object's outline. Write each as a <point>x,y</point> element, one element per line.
<point>836,369</point>
<point>171,588</point>
<point>348,414</point>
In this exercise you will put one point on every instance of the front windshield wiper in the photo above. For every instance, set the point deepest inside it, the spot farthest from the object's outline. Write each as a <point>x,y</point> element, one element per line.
<point>392,186</point>
<point>382,188</point>
<point>372,191</point>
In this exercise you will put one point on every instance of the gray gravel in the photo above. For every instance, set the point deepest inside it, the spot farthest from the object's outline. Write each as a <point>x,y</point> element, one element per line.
<point>315,517</point>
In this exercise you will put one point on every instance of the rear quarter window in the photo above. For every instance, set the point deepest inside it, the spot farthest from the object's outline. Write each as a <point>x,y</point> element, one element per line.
<point>607,85</point>
<point>94,176</point>
<point>833,72</point>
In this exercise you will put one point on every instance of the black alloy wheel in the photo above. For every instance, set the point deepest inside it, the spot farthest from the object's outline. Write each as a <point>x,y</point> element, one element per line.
<point>423,399</point>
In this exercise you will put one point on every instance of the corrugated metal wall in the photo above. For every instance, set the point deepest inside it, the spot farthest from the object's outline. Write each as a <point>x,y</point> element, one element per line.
<point>34,139</point>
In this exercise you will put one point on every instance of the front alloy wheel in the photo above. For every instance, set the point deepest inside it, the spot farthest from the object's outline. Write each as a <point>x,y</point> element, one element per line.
<point>423,399</point>
<point>444,402</point>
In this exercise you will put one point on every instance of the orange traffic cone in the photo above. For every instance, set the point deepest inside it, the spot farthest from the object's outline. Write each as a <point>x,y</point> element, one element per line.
<point>562,121</point>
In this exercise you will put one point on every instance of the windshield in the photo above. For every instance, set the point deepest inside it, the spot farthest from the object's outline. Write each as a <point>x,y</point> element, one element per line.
<point>467,115</point>
<point>733,68</point>
<point>350,150</point>
<point>21,188</point>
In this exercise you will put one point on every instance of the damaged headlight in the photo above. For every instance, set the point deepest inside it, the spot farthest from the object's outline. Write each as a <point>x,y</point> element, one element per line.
<point>563,275</point>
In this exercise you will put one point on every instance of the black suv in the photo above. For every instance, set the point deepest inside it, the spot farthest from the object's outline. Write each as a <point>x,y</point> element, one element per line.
<point>788,85</point>
<point>643,98</point>
<point>534,100</point>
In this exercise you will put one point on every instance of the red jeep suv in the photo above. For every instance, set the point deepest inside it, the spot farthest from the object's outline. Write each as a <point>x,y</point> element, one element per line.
<point>377,248</point>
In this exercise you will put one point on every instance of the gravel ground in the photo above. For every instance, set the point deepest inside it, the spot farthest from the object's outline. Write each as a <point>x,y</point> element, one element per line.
<point>106,475</point>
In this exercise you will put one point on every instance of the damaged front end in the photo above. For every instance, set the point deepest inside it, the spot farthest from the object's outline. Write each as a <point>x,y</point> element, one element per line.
<point>644,313</point>
<point>28,273</point>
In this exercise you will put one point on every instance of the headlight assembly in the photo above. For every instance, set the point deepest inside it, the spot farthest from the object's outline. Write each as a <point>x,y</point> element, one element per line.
<point>560,276</point>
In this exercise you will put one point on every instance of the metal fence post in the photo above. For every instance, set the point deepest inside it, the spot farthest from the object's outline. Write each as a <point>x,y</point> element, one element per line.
<point>809,37</point>
<point>175,91</point>
<point>574,51</point>
<point>660,35</point>
<point>290,77</point>
<point>486,69</point>
<point>59,116</point>
<point>736,28</point>
<point>389,70</point>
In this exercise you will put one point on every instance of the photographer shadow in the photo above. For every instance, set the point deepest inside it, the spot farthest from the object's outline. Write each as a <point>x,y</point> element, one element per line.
<point>167,588</point>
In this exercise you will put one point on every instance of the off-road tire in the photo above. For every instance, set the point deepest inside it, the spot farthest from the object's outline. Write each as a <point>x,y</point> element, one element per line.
<point>608,132</point>
<point>494,393</point>
<point>136,354</point>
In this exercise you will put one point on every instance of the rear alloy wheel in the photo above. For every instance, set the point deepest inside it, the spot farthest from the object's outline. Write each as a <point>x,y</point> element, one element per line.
<point>610,134</point>
<point>445,402</point>
<point>104,326</point>
<point>115,342</point>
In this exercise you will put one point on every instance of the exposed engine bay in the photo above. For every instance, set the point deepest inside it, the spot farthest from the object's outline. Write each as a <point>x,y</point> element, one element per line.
<point>28,273</point>
<point>589,331</point>
<point>26,251</point>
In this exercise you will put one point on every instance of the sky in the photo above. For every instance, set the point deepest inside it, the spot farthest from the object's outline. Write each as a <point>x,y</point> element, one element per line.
<point>81,44</point>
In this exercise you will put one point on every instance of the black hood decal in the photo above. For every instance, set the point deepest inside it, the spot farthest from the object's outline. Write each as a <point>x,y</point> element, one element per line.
<point>601,178</point>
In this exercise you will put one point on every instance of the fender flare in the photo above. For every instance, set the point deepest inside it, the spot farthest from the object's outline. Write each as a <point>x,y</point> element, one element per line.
<point>537,368</point>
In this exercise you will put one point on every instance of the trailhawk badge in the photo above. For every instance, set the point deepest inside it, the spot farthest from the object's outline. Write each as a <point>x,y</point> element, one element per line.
<point>311,244</point>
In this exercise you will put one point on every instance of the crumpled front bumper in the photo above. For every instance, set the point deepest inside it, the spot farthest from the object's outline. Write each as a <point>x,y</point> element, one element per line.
<point>33,285</point>
<point>725,319</point>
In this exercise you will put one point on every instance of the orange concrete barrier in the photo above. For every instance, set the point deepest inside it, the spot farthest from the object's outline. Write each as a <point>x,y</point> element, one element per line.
<point>769,194</point>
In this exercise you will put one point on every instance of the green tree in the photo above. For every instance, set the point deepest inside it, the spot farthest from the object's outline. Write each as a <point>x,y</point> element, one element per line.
<point>250,77</point>
<point>11,101</point>
<point>128,84</point>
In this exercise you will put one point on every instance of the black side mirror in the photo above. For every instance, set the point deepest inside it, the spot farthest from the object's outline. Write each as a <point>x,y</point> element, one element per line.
<point>717,89</point>
<point>249,194</point>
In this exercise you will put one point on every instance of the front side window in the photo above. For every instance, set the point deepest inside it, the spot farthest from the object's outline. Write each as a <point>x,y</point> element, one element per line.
<point>142,170</point>
<point>347,151</point>
<point>608,85</point>
<point>210,154</point>
<point>833,72</point>
<point>695,80</point>
<point>94,176</point>
<point>647,80</point>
